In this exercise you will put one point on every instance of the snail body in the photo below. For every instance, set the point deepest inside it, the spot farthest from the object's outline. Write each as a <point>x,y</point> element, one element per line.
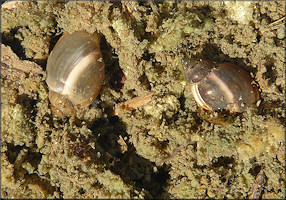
<point>75,71</point>
<point>221,86</point>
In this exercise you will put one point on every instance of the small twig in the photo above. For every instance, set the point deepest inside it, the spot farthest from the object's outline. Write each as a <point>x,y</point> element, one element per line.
<point>154,7</point>
<point>173,154</point>
<point>133,103</point>
<point>189,142</point>
<point>276,22</point>
<point>273,25</point>
<point>257,187</point>
<point>43,177</point>
<point>126,6</point>
<point>11,63</point>
<point>9,5</point>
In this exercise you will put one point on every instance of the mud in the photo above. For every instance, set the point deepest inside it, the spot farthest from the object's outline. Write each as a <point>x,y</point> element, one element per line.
<point>165,146</point>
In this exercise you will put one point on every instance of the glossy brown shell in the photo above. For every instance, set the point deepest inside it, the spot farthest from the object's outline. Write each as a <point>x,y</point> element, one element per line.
<point>75,68</point>
<point>221,86</point>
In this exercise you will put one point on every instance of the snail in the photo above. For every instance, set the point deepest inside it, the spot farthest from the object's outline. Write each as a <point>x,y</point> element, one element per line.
<point>220,86</point>
<point>75,72</point>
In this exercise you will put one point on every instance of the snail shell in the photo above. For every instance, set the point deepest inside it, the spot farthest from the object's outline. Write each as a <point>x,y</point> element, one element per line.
<point>75,71</point>
<point>221,86</point>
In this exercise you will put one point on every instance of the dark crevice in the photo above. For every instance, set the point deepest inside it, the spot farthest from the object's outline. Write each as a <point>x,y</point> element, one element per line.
<point>224,162</point>
<point>13,152</point>
<point>9,39</point>
<point>254,170</point>
<point>132,168</point>
<point>28,103</point>
<point>144,81</point>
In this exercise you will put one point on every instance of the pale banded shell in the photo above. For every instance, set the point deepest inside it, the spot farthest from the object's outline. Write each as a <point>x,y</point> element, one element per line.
<point>75,70</point>
<point>221,86</point>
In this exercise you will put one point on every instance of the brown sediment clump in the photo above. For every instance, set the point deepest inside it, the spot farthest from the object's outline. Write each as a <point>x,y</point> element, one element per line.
<point>158,145</point>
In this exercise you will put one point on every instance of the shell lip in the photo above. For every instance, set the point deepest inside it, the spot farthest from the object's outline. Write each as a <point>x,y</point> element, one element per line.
<point>198,97</point>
